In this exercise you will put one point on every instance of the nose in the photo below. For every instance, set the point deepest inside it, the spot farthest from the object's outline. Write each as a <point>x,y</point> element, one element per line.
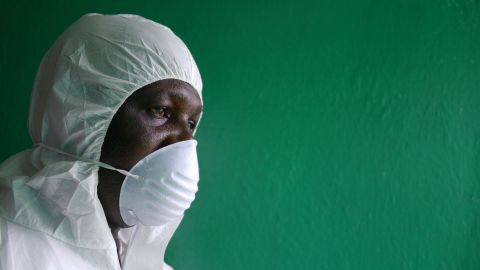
<point>177,132</point>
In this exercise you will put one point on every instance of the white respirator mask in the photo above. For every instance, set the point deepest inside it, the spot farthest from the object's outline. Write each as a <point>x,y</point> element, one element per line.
<point>165,187</point>
<point>160,187</point>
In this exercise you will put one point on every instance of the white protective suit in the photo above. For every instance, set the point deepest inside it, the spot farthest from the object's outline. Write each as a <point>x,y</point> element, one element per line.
<point>50,215</point>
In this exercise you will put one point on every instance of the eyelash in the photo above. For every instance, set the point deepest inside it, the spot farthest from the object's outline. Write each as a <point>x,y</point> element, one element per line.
<point>159,112</point>
<point>162,112</point>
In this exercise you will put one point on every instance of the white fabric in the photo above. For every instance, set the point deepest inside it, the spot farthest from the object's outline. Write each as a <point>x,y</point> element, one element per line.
<point>50,215</point>
<point>164,188</point>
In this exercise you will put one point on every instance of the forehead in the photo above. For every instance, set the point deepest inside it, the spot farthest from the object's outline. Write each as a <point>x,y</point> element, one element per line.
<point>171,91</point>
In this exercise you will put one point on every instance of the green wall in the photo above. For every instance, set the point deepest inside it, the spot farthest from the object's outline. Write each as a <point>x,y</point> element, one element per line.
<point>336,134</point>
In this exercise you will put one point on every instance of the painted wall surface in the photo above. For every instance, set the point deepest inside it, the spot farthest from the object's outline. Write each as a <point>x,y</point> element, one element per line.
<point>336,134</point>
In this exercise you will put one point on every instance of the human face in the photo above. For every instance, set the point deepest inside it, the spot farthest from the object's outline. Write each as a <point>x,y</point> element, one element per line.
<point>157,115</point>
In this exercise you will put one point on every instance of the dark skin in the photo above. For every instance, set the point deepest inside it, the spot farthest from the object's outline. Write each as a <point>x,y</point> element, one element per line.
<point>157,115</point>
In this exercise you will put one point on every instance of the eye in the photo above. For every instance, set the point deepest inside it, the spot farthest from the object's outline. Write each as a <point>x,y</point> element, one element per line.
<point>158,112</point>
<point>192,124</point>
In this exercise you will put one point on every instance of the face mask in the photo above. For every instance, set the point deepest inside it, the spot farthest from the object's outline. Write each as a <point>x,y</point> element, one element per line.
<point>165,188</point>
<point>160,187</point>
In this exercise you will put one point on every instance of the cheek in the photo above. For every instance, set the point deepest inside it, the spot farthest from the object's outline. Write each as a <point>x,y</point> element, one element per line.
<point>144,134</point>
<point>139,132</point>
<point>129,139</point>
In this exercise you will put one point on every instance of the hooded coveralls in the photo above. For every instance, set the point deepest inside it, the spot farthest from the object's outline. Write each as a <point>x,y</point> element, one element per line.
<point>50,215</point>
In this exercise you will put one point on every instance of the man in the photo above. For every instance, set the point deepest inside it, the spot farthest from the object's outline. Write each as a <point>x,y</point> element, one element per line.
<point>109,92</point>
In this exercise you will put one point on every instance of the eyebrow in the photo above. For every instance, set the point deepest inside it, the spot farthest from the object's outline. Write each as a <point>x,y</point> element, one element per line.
<point>174,97</point>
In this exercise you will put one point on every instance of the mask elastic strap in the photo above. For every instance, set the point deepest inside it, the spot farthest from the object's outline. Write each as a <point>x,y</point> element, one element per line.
<point>98,163</point>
